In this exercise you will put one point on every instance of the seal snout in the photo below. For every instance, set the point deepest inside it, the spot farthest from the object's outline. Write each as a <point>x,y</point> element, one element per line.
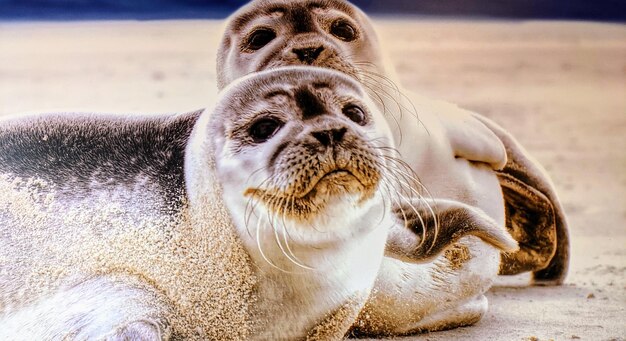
<point>330,137</point>
<point>308,55</point>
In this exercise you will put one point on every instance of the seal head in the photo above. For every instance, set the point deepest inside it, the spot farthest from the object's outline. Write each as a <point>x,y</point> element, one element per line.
<point>267,34</point>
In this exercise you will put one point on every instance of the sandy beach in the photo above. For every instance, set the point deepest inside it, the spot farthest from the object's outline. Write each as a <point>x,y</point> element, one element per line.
<point>559,87</point>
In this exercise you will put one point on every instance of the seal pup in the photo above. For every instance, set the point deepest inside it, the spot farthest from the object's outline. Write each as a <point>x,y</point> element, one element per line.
<point>264,218</point>
<point>335,34</point>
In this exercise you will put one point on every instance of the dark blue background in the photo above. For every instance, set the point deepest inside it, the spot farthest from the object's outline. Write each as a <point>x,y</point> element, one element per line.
<point>598,10</point>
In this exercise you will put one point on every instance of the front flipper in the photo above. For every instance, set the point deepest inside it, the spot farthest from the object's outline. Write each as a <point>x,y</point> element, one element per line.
<point>472,140</point>
<point>534,215</point>
<point>426,228</point>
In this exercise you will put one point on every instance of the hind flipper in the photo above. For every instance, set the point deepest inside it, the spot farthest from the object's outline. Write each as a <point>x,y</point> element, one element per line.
<point>534,215</point>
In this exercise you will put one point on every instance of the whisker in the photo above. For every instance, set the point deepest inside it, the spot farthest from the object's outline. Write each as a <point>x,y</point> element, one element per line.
<point>408,185</point>
<point>260,248</point>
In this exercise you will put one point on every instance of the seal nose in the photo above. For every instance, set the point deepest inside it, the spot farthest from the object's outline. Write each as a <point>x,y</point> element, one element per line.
<point>308,55</point>
<point>330,137</point>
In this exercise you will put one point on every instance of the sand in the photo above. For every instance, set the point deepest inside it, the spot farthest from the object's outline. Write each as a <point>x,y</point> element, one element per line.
<point>559,87</point>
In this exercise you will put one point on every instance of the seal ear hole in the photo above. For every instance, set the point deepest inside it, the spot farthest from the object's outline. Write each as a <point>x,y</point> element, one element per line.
<point>343,30</point>
<point>355,113</point>
<point>259,38</point>
<point>264,128</point>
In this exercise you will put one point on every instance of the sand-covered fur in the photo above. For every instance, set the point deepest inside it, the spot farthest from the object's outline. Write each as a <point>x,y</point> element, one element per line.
<point>85,255</point>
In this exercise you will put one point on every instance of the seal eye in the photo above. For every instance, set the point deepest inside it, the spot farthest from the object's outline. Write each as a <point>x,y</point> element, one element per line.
<point>355,113</point>
<point>343,30</point>
<point>264,128</point>
<point>260,38</point>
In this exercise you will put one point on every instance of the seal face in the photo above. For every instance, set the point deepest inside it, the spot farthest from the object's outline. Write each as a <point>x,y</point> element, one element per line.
<point>319,155</point>
<point>268,34</point>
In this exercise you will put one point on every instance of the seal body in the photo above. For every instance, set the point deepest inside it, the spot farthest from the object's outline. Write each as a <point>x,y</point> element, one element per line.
<point>457,154</point>
<point>264,218</point>
<point>98,240</point>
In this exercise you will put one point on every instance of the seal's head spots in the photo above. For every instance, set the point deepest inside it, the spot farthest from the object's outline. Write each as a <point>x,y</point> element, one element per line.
<point>309,103</point>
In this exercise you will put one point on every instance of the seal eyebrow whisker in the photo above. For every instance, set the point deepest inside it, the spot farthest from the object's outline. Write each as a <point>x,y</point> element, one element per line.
<point>369,86</point>
<point>370,78</point>
<point>316,5</point>
<point>374,85</point>
<point>381,102</point>
<point>278,92</point>
<point>276,9</point>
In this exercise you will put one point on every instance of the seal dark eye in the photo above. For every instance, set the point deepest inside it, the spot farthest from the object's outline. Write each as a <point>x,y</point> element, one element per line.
<point>343,30</point>
<point>355,113</point>
<point>264,128</point>
<point>260,38</point>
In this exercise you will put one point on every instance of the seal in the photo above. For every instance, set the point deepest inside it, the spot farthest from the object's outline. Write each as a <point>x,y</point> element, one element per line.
<point>336,34</point>
<point>263,218</point>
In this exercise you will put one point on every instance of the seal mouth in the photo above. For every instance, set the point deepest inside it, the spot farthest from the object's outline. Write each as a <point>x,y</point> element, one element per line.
<point>334,62</point>
<point>338,178</point>
<point>318,195</point>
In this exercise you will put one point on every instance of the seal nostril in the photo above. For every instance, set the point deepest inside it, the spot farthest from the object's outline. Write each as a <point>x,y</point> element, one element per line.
<point>329,137</point>
<point>323,136</point>
<point>338,134</point>
<point>308,55</point>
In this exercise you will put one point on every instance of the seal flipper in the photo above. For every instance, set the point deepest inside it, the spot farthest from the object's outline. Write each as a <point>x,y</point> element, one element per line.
<point>420,236</point>
<point>526,207</point>
<point>533,213</point>
<point>472,140</point>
